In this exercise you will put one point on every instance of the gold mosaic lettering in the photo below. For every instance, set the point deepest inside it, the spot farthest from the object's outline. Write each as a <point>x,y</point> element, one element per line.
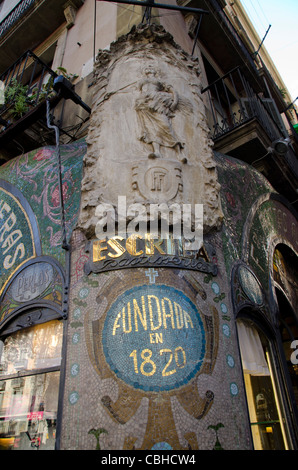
<point>131,245</point>
<point>179,316</point>
<point>8,225</point>
<point>116,246</point>
<point>138,313</point>
<point>151,244</point>
<point>128,317</point>
<point>156,338</point>
<point>187,319</point>
<point>153,313</point>
<point>116,324</point>
<point>97,249</point>
<point>167,315</point>
<point>153,327</point>
<point>4,207</point>
<point>203,254</point>
<point>11,240</point>
<point>20,249</point>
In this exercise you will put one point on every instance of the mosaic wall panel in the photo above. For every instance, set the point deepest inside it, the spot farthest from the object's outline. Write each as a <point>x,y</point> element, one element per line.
<point>241,186</point>
<point>256,220</point>
<point>35,175</point>
<point>273,223</point>
<point>152,361</point>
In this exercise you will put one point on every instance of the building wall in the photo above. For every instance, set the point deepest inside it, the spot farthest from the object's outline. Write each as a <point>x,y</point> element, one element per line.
<point>151,358</point>
<point>125,353</point>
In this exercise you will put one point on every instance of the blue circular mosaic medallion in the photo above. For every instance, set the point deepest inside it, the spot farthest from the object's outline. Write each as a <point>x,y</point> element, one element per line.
<point>234,389</point>
<point>162,446</point>
<point>226,330</point>
<point>154,338</point>
<point>73,398</point>
<point>230,360</point>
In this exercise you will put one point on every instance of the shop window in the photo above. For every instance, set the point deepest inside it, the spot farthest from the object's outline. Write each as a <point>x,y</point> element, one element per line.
<point>29,384</point>
<point>289,336</point>
<point>264,406</point>
<point>285,275</point>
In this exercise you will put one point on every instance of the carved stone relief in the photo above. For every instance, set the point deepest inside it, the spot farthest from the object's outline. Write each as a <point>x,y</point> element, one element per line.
<point>155,109</point>
<point>148,138</point>
<point>152,181</point>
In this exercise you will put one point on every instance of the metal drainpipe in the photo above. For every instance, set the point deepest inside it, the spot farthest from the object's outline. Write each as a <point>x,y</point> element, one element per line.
<point>65,305</point>
<point>65,245</point>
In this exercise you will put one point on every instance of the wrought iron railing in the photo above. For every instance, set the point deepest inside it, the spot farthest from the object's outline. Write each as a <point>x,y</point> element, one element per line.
<point>14,15</point>
<point>233,102</point>
<point>27,82</point>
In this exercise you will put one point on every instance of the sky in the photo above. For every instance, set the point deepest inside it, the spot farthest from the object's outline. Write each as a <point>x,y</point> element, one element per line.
<point>281,41</point>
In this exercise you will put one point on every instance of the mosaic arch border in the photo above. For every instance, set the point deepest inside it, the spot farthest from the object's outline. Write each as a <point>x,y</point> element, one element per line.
<point>274,243</point>
<point>275,199</point>
<point>269,221</point>
<point>39,309</point>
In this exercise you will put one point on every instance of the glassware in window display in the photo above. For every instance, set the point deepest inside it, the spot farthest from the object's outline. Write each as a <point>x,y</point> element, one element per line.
<point>36,347</point>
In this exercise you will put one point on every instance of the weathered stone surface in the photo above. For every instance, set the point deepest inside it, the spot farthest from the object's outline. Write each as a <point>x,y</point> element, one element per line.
<point>148,138</point>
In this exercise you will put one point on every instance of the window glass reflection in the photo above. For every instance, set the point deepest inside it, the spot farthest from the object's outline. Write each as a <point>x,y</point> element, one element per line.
<point>28,391</point>
<point>37,347</point>
<point>266,417</point>
<point>28,412</point>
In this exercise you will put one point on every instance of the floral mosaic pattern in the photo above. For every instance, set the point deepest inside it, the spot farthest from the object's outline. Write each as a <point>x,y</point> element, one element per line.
<point>191,415</point>
<point>35,175</point>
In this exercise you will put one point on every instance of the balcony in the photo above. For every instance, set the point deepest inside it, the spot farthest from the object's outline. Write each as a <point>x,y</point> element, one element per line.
<point>245,125</point>
<point>218,39</point>
<point>29,24</point>
<point>15,14</point>
<point>28,84</point>
<point>233,102</point>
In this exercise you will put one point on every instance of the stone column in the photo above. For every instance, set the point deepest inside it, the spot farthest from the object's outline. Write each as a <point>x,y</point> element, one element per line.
<point>147,338</point>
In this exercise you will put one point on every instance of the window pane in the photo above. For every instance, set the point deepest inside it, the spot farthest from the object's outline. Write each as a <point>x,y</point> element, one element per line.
<point>265,420</point>
<point>32,348</point>
<point>28,412</point>
<point>263,403</point>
